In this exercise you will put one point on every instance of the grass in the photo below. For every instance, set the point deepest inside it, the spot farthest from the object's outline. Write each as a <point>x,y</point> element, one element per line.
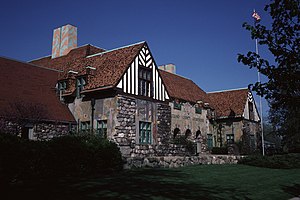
<point>194,182</point>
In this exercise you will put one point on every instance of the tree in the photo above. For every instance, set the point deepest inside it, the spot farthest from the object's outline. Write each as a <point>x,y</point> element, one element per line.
<point>282,90</point>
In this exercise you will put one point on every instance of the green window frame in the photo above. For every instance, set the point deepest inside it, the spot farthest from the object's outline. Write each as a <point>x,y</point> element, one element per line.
<point>229,138</point>
<point>198,110</point>
<point>145,134</point>
<point>176,105</point>
<point>85,126</point>
<point>102,128</point>
<point>62,86</point>
<point>80,83</point>
<point>209,141</point>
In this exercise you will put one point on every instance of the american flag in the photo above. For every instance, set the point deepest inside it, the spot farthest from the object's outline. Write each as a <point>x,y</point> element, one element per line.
<point>256,16</point>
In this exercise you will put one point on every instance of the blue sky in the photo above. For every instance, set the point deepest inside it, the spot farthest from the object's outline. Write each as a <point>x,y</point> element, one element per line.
<point>201,37</point>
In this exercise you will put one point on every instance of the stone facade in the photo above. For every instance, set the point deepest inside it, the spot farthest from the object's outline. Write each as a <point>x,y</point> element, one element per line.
<point>179,161</point>
<point>235,127</point>
<point>37,131</point>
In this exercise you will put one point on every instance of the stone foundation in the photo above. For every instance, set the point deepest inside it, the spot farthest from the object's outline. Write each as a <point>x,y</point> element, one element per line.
<point>179,161</point>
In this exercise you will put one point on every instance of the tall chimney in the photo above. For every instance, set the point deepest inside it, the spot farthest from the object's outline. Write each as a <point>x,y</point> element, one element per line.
<point>169,68</point>
<point>64,40</point>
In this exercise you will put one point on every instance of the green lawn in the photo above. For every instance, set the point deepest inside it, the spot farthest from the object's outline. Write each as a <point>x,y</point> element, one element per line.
<point>195,182</point>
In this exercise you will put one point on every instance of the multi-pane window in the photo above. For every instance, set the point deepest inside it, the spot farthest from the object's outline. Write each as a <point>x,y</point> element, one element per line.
<point>198,110</point>
<point>145,136</point>
<point>62,86</point>
<point>251,112</point>
<point>145,82</point>
<point>85,126</point>
<point>177,105</point>
<point>209,141</point>
<point>102,128</point>
<point>80,83</point>
<point>230,138</point>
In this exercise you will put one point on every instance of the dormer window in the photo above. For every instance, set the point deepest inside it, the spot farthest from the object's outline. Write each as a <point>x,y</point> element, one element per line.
<point>80,83</point>
<point>177,105</point>
<point>145,82</point>
<point>62,86</point>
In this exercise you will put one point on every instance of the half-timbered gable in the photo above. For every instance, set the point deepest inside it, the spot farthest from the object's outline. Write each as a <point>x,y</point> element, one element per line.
<point>142,77</point>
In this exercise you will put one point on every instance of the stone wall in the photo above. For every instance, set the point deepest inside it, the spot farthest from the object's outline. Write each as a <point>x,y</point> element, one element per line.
<point>46,131</point>
<point>179,161</point>
<point>38,131</point>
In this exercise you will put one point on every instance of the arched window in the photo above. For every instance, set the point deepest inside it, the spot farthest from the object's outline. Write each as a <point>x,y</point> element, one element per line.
<point>188,133</point>
<point>176,132</point>
<point>198,133</point>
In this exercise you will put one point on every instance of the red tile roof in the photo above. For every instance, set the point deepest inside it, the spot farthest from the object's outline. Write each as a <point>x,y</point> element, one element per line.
<point>110,65</point>
<point>230,103</point>
<point>29,84</point>
<point>182,88</point>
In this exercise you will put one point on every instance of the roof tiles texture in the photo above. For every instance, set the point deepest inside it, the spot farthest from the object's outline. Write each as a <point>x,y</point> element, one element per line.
<point>110,65</point>
<point>229,103</point>
<point>30,85</point>
<point>183,88</point>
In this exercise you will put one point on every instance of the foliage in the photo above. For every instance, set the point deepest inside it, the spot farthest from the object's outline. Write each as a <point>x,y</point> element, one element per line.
<point>219,150</point>
<point>189,145</point>
<point>76,155</point>
<point>286,161</point>
<point>282,90</point>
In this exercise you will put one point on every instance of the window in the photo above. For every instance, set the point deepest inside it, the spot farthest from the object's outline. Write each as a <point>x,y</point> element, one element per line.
<point>102,128</point>
<point>188,133</point>
<point>177,105</point>
<point>145,82</point>
<point>230,138</point>
<point>145,136</point>
<point>198,110</point>
<point>85,126</point>
<point>80,83</point>
<point>251,113</point>
<point>209,141</point>
<point>176,132</point>
<point>62,86</point>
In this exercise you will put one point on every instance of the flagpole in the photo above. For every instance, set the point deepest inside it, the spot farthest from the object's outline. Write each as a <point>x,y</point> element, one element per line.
<point>260,103</point>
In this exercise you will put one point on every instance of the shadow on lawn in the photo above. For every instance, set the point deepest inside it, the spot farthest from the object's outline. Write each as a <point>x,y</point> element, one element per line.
<point>293,190</point>
<point>137,184</point>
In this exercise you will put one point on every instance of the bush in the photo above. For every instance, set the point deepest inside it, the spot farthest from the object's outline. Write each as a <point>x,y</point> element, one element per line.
<point>219,150</point>
<point>75,155</point>
<point>189,145</point>
<point>287,161</point>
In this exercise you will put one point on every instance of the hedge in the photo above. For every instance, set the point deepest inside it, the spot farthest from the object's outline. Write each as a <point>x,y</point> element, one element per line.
<point>286,161</point>
<point>75,155</point>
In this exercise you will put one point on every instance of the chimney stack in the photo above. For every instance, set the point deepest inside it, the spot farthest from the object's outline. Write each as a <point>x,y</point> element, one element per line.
<point>169,68</point>
<point>64,40</point>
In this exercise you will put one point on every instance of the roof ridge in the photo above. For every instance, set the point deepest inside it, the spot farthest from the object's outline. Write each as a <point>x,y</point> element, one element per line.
<point>175,74</point>
<point>235,89</point>
<point>122,47</point>
<point>87,44</point>
<point>33,65</point>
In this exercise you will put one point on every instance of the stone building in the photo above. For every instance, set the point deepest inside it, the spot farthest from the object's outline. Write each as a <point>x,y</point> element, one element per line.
<point>28,103</point>
<point>116,93</point>
<point>190,110</point>
<point>122,95</point>
<point>236,118</point>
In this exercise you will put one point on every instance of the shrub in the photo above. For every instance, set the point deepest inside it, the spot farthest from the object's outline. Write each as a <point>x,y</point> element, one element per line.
<point>219,150</point>
<point>74,155</point>
<point>189,145</point>
<point>287,161</point>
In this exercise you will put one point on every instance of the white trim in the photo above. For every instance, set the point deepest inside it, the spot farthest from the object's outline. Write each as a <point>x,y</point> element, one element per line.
<point>101,53</point>
<point>227,90</point>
